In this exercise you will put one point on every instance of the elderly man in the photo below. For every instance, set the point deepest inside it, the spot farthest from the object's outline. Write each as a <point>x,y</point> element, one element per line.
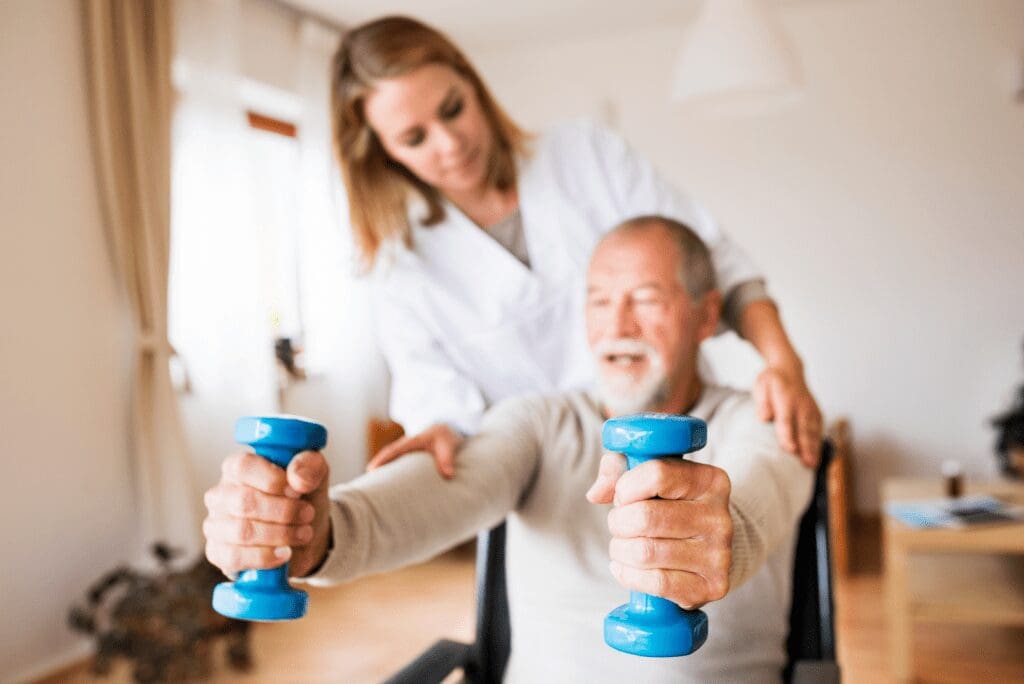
<point>723,524</point>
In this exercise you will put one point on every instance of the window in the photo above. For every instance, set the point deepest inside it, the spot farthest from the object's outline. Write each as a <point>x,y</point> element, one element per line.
<point>274,158</point>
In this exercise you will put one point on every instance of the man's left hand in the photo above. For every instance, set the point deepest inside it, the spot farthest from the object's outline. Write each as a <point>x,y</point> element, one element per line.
<point>671,528</point>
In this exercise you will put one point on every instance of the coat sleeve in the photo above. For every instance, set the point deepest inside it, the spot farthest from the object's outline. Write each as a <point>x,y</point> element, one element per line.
<point>426,387</point>
<point>636,188</point>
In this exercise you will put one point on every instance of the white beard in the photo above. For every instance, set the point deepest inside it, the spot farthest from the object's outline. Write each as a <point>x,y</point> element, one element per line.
<point>622,394</point>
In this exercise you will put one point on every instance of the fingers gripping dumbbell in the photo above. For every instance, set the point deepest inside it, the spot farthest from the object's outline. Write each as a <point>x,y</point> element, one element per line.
<point>650,625</point>
<point>265,594</point>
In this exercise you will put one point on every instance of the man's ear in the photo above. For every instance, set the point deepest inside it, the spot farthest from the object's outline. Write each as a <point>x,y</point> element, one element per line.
<point>710,310</point>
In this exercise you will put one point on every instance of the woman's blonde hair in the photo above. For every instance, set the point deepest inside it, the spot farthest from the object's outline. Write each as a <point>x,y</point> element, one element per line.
<point>378,187</point>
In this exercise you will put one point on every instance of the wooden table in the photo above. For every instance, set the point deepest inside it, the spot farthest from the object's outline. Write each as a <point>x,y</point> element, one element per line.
<point>963,576</point>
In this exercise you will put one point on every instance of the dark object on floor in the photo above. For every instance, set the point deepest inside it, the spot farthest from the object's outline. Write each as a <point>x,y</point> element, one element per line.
<point>1010,438</point>
<point>162,621</point>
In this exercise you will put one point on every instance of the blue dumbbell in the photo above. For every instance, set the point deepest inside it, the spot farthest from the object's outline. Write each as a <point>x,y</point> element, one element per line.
<point>650,625</point>
<point>265,595</point>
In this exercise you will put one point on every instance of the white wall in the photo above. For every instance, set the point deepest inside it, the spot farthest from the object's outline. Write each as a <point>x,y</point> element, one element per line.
<point>887,207</point>
<point>66,512</point>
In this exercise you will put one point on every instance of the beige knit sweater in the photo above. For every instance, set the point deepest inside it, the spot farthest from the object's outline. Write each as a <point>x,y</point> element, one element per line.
<point>532,462</point>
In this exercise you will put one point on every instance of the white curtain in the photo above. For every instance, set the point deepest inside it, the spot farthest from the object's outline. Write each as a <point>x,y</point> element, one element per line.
<point>347,378</point>
<point>128,58</point>
<point>219,319</point>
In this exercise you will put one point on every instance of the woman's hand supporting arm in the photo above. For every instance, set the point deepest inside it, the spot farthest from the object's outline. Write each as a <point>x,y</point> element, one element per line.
<point>780,390</point>
<point>440,440</point>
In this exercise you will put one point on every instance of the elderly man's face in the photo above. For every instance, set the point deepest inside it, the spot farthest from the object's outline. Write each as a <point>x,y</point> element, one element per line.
<point>642,325</point>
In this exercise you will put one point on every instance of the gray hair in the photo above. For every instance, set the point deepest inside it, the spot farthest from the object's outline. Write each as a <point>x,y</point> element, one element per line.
<point>696,271</point>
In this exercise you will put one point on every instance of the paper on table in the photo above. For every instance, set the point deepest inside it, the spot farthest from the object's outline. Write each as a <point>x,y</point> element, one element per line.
<point>954,513</point>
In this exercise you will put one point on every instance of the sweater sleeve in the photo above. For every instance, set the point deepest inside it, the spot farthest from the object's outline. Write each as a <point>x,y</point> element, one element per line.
<point>406,513</point>
<point>770,488</point>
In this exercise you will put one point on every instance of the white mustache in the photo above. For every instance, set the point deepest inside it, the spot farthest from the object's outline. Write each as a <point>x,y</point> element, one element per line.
<point>624,345</point>
<point>623,392</point>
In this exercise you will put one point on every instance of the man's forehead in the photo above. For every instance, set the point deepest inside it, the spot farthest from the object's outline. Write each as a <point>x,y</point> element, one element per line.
<point>635,255</point>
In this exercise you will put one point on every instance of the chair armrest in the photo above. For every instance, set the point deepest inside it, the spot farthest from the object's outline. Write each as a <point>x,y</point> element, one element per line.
<point>815,672</point>
<point>434,664</point>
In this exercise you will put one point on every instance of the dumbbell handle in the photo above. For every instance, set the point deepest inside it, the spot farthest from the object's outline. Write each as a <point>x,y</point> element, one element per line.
<point>640,602</point>
<point>274,577</point>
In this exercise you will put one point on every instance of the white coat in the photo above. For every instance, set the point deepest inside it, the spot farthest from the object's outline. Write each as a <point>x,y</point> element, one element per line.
<point>462,323</point>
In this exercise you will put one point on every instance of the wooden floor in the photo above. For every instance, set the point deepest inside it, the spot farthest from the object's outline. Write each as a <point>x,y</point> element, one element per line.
<point>364,631</point>
<point>354,633</point>
<point>943,654</point>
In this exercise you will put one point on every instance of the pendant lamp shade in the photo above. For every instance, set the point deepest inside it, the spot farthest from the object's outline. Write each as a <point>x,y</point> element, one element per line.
<point>736,56</point>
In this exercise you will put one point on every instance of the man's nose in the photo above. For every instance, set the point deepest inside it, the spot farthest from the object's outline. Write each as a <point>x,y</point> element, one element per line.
<point>623,321</point>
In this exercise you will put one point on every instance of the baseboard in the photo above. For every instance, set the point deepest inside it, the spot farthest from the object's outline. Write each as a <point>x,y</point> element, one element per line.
<point>49,669</point>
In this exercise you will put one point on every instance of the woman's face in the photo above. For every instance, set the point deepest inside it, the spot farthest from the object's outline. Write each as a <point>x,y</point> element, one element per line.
<point>430,121</point>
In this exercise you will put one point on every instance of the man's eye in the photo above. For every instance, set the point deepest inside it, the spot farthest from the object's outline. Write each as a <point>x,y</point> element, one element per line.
<point>598,301</point>
<point>452,110</point>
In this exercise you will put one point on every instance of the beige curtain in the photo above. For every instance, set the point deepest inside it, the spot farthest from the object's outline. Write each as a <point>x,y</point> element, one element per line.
<point>128,47</point>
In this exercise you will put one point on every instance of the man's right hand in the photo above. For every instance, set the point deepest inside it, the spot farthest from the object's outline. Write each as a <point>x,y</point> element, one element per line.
<point>671,527</point>
<point>260,515</point>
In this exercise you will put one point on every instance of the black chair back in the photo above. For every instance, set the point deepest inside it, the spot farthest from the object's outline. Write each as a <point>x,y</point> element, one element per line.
<point>811,623</point>
<point>490,652</point>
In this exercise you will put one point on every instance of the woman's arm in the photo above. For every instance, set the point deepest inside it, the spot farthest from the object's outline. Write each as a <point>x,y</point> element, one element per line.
<point>780,390</point>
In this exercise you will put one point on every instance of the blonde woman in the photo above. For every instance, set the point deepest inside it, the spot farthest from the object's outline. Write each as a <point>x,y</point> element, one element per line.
<point>477,236</point>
